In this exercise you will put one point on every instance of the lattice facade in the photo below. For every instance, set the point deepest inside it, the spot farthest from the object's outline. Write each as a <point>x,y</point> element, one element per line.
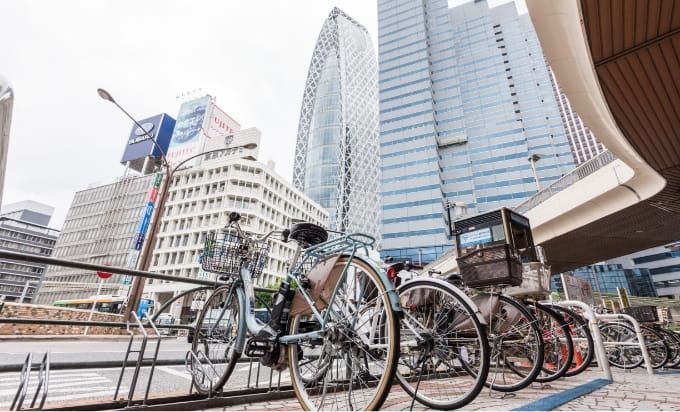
<point>337,160</point>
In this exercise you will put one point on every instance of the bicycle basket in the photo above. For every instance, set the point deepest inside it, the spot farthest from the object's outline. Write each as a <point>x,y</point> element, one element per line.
<point>491,265</point>
<point>224,252</point>
<point>642,313</point>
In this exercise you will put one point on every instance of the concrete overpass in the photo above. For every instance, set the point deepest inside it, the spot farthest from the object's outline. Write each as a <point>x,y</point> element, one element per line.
<point>619,64</point>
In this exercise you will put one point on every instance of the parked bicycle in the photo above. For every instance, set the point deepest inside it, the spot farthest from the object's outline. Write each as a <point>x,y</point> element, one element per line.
<point>337,332</point>
<point>444,356</point>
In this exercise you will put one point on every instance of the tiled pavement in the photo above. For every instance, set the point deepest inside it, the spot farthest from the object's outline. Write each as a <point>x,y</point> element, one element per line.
<point>631,390</point>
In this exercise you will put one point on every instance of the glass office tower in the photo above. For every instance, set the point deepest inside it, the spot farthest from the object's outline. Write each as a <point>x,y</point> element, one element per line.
<point>336,156</point>
<point>467,115</point>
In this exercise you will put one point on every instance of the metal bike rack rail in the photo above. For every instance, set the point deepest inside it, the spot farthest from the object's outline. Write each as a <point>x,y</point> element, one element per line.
<point>593,323</point>
<point>43,382</point>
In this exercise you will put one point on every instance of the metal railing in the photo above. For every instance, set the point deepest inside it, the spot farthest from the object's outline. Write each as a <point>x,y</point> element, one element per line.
<point>252,387</point>
<point>581,172</point>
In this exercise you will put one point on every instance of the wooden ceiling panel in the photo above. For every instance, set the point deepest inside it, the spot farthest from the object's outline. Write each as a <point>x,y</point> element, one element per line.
<point>635,46</point>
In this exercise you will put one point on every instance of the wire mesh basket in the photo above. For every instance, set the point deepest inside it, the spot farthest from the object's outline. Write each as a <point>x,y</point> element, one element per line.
<point>642,313</point>
<point>223,253</point>
<point>491,265</point>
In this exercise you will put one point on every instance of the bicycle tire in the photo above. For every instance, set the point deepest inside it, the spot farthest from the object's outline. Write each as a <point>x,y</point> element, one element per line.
<point>628,356</point>
<point>516,345</point>
<point>352,366</point>
<point>559,347</point>
<point>438,333</point>
<point>584,347</point>
<point>673,343</point>
<point>216,337</point>
<point>657,349</point>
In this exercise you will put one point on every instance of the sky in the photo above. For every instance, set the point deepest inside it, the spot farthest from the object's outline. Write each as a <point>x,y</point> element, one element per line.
<point>251,55</point>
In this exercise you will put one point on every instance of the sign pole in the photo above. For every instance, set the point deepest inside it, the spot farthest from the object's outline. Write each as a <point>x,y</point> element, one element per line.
<point>99,290</point>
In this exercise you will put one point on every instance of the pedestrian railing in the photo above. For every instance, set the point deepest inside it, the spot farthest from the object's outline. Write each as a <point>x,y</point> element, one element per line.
<point>255,371</point>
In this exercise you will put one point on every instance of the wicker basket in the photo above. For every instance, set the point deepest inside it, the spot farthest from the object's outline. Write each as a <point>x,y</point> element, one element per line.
<point>642,313</point>
<point>491,265</point>
<point>223,253</point>
<point>535,280</point>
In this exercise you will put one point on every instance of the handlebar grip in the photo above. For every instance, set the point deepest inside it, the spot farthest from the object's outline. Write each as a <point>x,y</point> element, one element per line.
<point>234,217</point>
<point>284,235</point>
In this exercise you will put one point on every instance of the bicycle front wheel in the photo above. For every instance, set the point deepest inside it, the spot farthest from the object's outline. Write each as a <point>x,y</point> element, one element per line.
<point>215,340</point>
<point>441,340</point>
<point>516,343</point>
<point>584,348</point>
<point>351,364</point>
<point>621,345</point>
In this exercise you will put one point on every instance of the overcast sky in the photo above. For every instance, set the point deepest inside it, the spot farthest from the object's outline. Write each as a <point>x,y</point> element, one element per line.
<point>252,55</point>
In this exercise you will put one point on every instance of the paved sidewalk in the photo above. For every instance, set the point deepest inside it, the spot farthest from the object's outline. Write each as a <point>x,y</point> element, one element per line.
<point>631,390</point>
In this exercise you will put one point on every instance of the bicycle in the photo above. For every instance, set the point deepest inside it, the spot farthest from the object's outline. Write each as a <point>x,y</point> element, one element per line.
<point>337,332</point>
<point>441,330</point>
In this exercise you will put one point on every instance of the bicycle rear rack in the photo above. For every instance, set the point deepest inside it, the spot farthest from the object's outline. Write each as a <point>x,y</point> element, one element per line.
<point>140,358</point>
<point>43,382</point>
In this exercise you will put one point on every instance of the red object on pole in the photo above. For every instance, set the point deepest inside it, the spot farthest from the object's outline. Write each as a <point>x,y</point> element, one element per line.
<point>104,275</point>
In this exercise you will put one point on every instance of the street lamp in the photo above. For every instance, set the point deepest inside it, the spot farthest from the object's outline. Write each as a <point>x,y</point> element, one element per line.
<point>147,250</point>
<point>533,159</point>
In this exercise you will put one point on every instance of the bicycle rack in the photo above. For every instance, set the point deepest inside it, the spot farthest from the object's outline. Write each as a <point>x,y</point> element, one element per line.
<point>196,366</point>
<point>140,358</point>
<point>43,382</point>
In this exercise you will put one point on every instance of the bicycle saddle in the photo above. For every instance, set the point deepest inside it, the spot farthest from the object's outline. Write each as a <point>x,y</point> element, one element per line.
<point>308,233</point>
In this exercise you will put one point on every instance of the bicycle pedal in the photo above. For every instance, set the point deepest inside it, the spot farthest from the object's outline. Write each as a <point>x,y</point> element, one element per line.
<point>258,348</point>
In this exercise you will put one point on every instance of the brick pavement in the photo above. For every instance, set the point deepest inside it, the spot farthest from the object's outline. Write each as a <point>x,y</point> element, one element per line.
<point>631,390</point>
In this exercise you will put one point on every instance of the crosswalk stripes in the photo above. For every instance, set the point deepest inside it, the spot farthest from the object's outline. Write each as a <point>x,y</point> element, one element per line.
<point>63,386</point>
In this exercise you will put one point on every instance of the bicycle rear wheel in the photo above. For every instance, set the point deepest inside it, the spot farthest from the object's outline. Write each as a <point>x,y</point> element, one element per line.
<point>439,333</point>
<point>351,365</point>
<point>215,340</point>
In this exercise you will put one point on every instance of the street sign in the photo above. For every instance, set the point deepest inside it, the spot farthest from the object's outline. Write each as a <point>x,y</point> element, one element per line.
<point>126,280</point>
<point>104,275</point>
<point>623,297</point>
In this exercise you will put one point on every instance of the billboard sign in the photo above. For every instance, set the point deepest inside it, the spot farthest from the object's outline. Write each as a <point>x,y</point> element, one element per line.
<point>139,143</point>
<point>187,136</point>
<point>577,289</point>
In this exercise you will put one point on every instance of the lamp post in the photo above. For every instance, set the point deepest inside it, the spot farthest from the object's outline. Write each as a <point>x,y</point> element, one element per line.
<point>144,263</point>
<point>533,159</point>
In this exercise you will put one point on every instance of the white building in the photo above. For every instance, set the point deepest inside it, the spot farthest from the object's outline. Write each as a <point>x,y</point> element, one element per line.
<point>200,201</point>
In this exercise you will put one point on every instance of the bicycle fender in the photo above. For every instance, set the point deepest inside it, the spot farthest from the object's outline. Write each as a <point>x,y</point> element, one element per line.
<point>391,290</point>
<point>459,293</point>
<point>241,335</point>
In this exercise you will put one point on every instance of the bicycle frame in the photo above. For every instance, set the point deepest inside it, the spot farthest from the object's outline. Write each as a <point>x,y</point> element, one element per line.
<point>348,245</point>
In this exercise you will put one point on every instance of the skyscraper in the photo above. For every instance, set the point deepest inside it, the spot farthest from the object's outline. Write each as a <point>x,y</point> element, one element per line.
<point>584,145</point>
<point>337,155</point>
<point>467,115</point>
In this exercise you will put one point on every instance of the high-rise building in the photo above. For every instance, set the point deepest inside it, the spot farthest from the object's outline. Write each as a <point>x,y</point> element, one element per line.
<point>606,278</point>
<point>99,228</point>
<point>23,228</point>
<point>6,102</point>
<point>336,155</point>
<point>663,263</point>
<point>467,115</point>
<point>583,143</point>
